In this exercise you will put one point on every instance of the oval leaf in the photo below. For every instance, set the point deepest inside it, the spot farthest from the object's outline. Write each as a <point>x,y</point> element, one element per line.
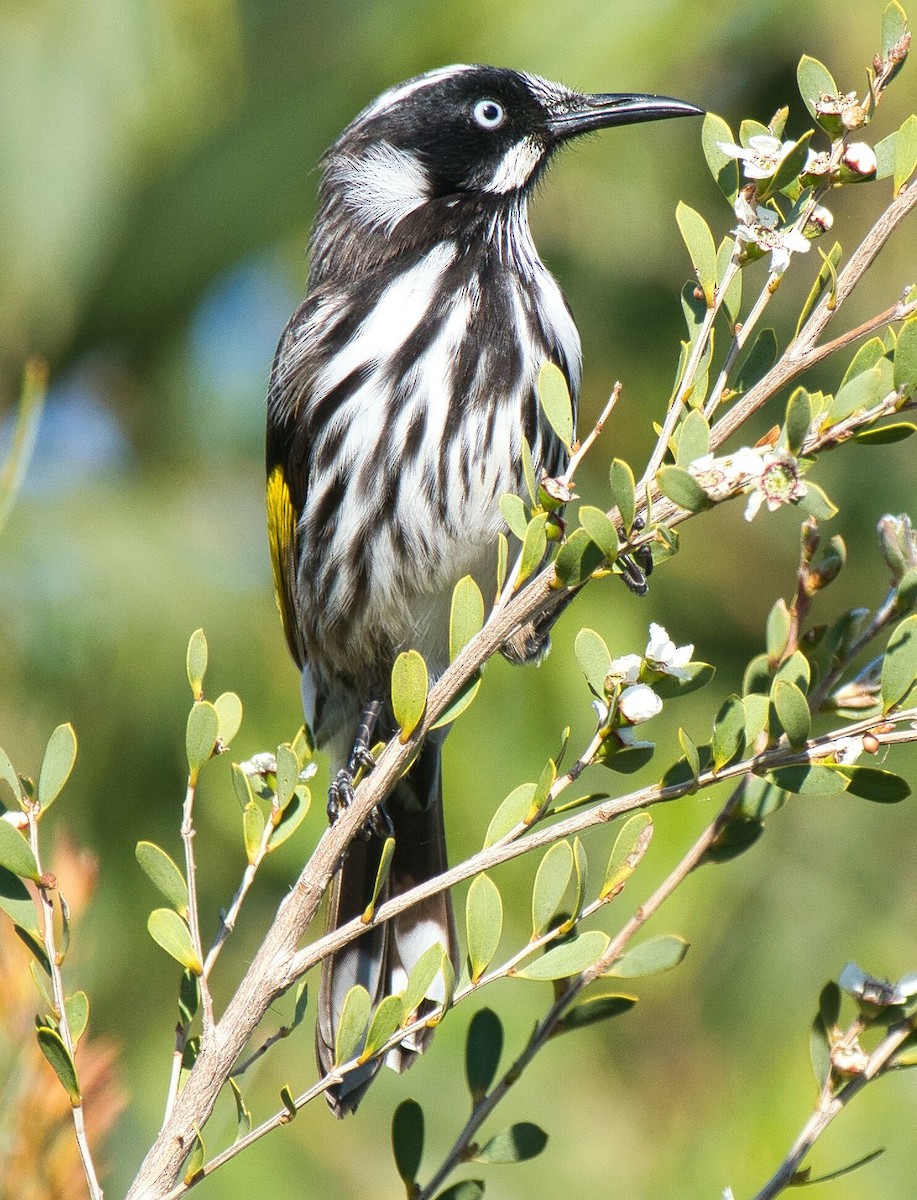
<point>164,875</point>
<point>201,735</point>
<point>807,780</point>
<point>701,247</point>
<point>723,167</point>
<point>551,881</point>
<point>169,931</point>
<point>385,1020</point>
<point>515,514</point>
<point>793,712</point>
<point>682,489</point>
<point>229,715</point>
<point>650,957</point>
<point>484,924</point>
<point>599,1008</point>
<point>252,831</point>
<point>419,986</point>
<point>197,662</point>
<point>467,615</point>
<point>512,812</point>
<point>594,658</point>
<point>516,1144</point>
<point>57,1054</point>
<point>899,666</point>
<point>352,1026</point>
<point>482,1053</point>
<point>623,492</point>
<point>16,853</point>
<point>407,1140</point>
<point>56,765</point>
<point>555,401</point>
<point>600,528</point>
<point>534,546</point>
<point>16,902</point>
<point>570,958</point>
<point>872,783</point>
<point>629,847</point>
<point>409,691</point>
<point>77,1009</point>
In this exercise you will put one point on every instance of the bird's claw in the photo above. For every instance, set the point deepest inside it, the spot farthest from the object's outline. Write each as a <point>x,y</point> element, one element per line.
<point>340,796</point>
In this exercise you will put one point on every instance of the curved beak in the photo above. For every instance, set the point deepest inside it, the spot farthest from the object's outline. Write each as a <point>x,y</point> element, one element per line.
<point>602,111</point>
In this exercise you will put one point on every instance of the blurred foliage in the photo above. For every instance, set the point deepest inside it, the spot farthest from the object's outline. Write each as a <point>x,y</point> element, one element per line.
<point>156,187</point>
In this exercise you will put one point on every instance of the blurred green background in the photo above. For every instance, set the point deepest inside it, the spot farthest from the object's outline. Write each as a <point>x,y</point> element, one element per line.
<point>157,175</point>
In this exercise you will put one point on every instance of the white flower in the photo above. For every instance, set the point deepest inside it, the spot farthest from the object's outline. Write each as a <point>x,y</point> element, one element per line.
<point>758,227</point>
<point>625,669</point>
<point>663,655</point>
<point>723,477</point>
<point>639,703</point>
<point>761,157</point>
<point>780,483</point>
<point>817,163</point>
<point>260,764</point>
<point>822,218</point>
<point>860,160</point>
<point>18,820</point>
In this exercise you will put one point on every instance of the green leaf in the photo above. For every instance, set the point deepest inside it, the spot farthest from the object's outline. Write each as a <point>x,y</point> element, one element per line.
<point>16,902</point>
<point>302,1003</point>
<point>385,863</point>
<point>593,657</point>
<point>701,247</point>
<point>229,715</point>
<point>728,739</point>
<point>827,275</point>
<point>502,562</point>
<point>569,958</point>
<point>885,151</point>
<point>482,1053</point>
<point>528,471</point>
<point>788,169</point>
<point>699,674</point>
<point>894,27</point>
<point>693,437</point>
<point>866,357</point>
<point>516,1144</point>
<point>689,749</point>
<point>598,1008</point>
<point>466,617</point>
<point>286,1099</point>
<point>419,986</point>
<point>629,847</point>
<point>601,529</point>
<point>779,623</point>
<point>407,1141</point>
<point>872,783</point>
<point>169,931</point>
<point>409,691</point>
<point>905,153</point>
<point>467,1189</point>
<point>650,958</point>
<point>885,435</point>
<point>243,1114</point>
<point>905,368</point>
<point>195,1161</point>
<point>352,1024</point>
<point>16,853</point>
<point>555,401</point>
<point>623,492</point>
<point>581,868</point>
<point>385,1020</point>
<point>806,780</point>
<point>201,735</point>
<point>56,765</point>
<point>534,546</point>
<point>164,875</point>
<point>512,812</point>
<point>759,360</point>
<point>683,489</point>
<point>551,881</point>
<point>197,662</point>
<point>515,514</point>
<point>242,787</point>
<point>899,666</point>
<point>723,167</point>
<point>862,392</point>
<point>793,712</point>
<point>795,669</point>
<point>738,835</point>
<point>8,775</point>
<point>484,924</point>
<point>732,300</point>
<point>577,558</point>
<point>462,701</point>
<point>287,774</point>
<point>816,504</point>
<point>252,831</point>
<point>815,81</point>
<point>291,818</point>
<point>77,1009</point>
<point>189,997</point>
<point>798,420</point>
<point>52,1047</point>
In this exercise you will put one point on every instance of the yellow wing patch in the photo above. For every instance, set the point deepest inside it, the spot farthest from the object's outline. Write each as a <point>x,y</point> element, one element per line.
<point>281,529</point>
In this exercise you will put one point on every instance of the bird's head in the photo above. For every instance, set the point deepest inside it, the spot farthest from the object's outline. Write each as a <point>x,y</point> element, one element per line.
<point>466,133</point>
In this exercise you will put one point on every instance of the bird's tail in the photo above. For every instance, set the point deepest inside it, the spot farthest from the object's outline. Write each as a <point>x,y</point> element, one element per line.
<point>382,958</point>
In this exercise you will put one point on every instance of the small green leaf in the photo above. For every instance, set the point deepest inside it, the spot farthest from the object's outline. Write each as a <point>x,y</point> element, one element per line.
<point>57,764</point>
<point>788,169</point>
<point>512,812</point>
<point>482,1053</point>
<point>287,774</point>
<point>571,957</point>
<point>728,732</point>
<point>8,775</point>
<point>866,357</point>
<point>286,1099</point>
<point>701,247</point>
<point>697,675</point>
<point>169,931</point>
<point>551,881</point>
<point>528,471</point>
<point>243,1114</point>
<point>385,1020</point>
<point>629,847</point>
<point>693,438</point>
<point>385,863</point>
<point>885,435</point>
<point>872,783</point>
<point>798,420</point>
<point>197,662</point>
<point>650,958</point>
<point>516,1144</point>
<point>241,785</point>
<point>77,1009</point>
<point>164,875</point>
<point>905,153</point>
<point>759,360</point>
<point>600,529</point>
<point>779,623</point>
<point>515,514</point>
<point>484,923</point>
<point>16,853</point>
<point>352,1025</point>
<point>806,780</point>
<point>815,503</point>
<point>689,749</point>
<point>905,368</point>
<point>467,615</point>
<point>16,902</point>
<point>409,691</point>
<point>291,817</point>
<point>467,1189</point>
<point>732,300</point>
<point>815,81</point>
<point>723,167</point>
<point>252,831</point>
<point>581,868</point>
<point>827,276</point>
<point>53,1048</point>
<point>899,666</point>
<point>885,151</point>
<point>862,392</point>
<point>229,715</point>
<point>407,1141</point>
<point>555,401</point>
<point>462,701</point>
<point>598,1008</point>
<point>419,986</point>
<point>201,735</point>
<point>793,711</point>
<point>623,492</point>
<point>502,563</point>
<point>683,489</point>
<point>189,997</point>
<point>594,658</point>
<point>894,27</point>
<point>577,558</point>
<point>195,1160</point>
<point>534,546</point>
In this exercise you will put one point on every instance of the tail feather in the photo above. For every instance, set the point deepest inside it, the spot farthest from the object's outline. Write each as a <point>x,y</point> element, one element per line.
<point>382,958</point>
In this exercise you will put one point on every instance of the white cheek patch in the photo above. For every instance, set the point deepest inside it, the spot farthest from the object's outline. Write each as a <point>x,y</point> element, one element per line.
<point>383,185</point>
<point>515,168</point>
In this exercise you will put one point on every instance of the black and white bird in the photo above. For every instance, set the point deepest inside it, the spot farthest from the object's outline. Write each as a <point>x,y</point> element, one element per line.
<point>400,395</point>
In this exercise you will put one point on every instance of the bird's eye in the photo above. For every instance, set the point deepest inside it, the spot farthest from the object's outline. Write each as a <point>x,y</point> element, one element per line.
<point>489,114</point>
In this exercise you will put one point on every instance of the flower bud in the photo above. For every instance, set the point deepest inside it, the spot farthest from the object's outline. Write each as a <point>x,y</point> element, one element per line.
<point>898,542</point>
<point>858,163</point>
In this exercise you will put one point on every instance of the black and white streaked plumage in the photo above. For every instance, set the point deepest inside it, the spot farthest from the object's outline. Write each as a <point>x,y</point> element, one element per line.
<point>400,395</point>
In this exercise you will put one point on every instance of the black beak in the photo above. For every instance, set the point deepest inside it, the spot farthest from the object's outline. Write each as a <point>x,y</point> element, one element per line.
<point>603,111</point>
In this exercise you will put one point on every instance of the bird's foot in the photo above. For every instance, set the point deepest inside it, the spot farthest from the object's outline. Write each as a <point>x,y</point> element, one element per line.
<point>636,567</point>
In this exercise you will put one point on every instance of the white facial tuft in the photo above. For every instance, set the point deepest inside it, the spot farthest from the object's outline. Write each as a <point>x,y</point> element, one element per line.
<point>515,167</point>
<point>383,185</point>
<point>401,92</point>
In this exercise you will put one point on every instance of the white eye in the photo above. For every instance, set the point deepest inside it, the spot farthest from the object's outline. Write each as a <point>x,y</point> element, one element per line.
<point>489,114</point>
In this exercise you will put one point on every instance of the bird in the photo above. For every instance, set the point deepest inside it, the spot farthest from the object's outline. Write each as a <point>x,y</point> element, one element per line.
<point>400,396</point>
